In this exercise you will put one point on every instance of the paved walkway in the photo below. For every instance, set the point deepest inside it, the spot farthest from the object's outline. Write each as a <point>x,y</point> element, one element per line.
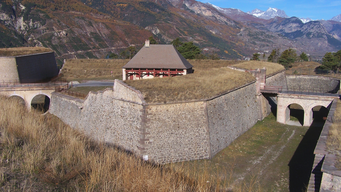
<point>94,84</point>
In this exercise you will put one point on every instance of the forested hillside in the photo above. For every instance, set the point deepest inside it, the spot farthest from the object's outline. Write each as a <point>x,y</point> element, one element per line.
<point>97,28</point>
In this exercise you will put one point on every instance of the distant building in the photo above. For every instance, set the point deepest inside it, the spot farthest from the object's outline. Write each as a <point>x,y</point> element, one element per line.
<point>156,61</point>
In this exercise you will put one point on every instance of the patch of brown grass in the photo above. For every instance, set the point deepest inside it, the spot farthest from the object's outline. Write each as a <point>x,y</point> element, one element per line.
<point>208,64</point>
<point>308,68</point>
<point>86,69</point>
<point>16,51</point>
<point>40,153</point>
<point>271,68</point>
<point>202,84</point>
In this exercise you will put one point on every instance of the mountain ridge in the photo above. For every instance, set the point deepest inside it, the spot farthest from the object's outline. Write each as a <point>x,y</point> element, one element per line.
<point>269,13</point>
<point>95,28</point>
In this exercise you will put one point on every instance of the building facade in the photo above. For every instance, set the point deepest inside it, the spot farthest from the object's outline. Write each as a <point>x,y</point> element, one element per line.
<point>156,61</point>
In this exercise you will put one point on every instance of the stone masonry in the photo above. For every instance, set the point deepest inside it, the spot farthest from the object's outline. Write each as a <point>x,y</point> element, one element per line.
<point>164,133</point>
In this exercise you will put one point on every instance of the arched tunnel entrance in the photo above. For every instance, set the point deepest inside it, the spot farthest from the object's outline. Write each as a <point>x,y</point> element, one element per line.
<point>18,99</point>
<point>320,113</point>
<point>40,103</point>
<point>296,113</point>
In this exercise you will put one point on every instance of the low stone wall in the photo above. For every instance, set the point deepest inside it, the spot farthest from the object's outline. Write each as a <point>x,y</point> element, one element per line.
<point>312,83</point>
<point>67,108</point>
<point>278,79</point>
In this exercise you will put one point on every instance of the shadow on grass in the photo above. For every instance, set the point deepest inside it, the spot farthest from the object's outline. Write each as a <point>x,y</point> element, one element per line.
<point>300,165</point>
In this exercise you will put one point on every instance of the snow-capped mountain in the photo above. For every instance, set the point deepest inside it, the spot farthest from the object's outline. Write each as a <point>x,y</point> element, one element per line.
<point>226,10</point>
<point>268,14</point>
<point>306,20</point>
<point>337,18</point>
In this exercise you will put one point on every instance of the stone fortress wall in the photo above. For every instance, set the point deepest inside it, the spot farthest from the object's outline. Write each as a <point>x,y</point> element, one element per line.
<point>312,83</point>
<point>28,68</point>
<point>169,132</point>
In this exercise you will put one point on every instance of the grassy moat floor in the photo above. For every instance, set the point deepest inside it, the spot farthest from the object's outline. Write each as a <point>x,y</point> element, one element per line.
<point>268,157</point>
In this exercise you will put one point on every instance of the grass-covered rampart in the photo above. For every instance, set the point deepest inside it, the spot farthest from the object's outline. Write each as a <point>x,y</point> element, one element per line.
<point>16,51</point>
<point>210,78</point>
<point>271,68</point>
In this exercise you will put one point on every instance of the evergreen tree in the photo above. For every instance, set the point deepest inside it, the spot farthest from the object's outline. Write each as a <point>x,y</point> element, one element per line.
<point>188,50</point>
<point>273,57</point>
<point>255,56</point>
<point>124,55</point>
<point>331,61</point>
<point>132,51</point>
<point>304,56</point>
<point>177,42</point>
<point>152,40</point>
<point>128,53</point>
<point>338,55</point>
<point>287,58</point>
<point>112,56</point>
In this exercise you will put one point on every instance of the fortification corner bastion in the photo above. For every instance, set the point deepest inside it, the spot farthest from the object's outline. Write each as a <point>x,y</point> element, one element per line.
<point>166,132</point>
<point>27,65</point>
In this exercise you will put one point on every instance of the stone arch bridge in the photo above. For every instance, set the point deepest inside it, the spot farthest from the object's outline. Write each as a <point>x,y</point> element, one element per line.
<point>307,100</point>
<point>31,93</point>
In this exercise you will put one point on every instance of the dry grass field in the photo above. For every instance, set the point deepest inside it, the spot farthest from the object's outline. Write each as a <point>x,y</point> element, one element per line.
<point>88,69</point>
<point>308,68</point>
<point>209,64</point>
<point>40,153</point>
<point>210,78</point>
<point>303,68</point>
<point>202,84</point>
<point>92,69</point>
<point>271,68</point>
<point>16,51</point>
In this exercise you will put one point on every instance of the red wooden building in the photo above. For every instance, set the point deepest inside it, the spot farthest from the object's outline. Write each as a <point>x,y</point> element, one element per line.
<point>156,61</point>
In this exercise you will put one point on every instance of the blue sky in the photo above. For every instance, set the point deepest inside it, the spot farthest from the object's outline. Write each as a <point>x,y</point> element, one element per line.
<point>314,9</point>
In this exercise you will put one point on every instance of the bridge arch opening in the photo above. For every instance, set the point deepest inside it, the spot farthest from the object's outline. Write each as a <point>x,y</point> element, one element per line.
<point>320,113</point>
<point>40,103</point>
<point>18,99</point>
<point>295,113</point>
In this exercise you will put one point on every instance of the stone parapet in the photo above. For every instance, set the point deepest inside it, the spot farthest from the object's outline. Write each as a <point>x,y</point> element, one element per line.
<point>313,83</point>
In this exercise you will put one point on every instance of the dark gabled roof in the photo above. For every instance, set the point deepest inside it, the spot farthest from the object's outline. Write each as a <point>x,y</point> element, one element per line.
<point>158,57</point>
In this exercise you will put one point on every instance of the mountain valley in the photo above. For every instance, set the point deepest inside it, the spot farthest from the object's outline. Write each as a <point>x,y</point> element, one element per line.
<point>96,28</point>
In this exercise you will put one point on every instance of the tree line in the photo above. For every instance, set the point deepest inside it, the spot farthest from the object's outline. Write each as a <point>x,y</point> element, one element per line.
<point>187,49</point>
<point>331,61</point>
<point>286,58</point>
